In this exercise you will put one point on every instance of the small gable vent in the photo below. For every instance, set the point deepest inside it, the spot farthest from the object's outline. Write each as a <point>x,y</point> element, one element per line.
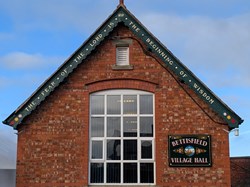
<point>122,56</point>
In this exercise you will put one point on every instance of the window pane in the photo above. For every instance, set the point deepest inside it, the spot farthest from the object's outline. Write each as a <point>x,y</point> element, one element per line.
<point>146,149</point>
<point>130,104</point>
<point>96,170</point>
<point>97,104</point>
<point>113,149</point>
<point>147,172</point>
<point>130,127</point>
<point>130,172</point>
<point>114,104</point>
<point>113,172</point>
<point>146,104</point>
<point>97,127</point>
<point>130,150</point>
<point>113,126</point>
<point>146,127</point>
<point>97,150</point>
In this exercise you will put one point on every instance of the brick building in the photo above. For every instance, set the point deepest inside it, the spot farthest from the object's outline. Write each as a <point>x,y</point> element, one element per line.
<point>123,110</point>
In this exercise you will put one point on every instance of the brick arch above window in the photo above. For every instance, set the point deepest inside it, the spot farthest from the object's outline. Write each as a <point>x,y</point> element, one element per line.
<point>137,84</point>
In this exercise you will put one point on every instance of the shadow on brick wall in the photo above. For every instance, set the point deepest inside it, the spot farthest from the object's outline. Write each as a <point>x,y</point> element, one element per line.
<point>240,171</point>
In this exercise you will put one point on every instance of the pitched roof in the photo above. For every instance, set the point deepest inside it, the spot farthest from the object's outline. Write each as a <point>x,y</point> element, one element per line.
<point>122,15</point>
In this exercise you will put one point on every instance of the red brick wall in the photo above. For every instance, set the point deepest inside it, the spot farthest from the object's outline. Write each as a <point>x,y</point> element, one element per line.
<point>240,171</point>
<point>53,140</point>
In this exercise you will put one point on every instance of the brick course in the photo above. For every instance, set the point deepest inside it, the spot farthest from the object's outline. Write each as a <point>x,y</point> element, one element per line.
<point>53,141</point>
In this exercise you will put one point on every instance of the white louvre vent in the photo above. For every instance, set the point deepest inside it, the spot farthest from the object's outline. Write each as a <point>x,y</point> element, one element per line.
<point>122,57</point>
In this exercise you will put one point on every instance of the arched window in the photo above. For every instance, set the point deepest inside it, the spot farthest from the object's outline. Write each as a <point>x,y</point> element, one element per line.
<point>122,137</point>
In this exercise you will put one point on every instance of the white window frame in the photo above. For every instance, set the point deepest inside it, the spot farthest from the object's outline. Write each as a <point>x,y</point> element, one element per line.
<point>138,138</point>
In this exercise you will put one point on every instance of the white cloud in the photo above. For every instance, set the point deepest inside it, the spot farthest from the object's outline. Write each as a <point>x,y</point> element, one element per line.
<point>216,48</point>
<point>3,81</point>
<point>56,15</point>
<point>23,70</point>
<point>24,61</point>
<point>6,36</point>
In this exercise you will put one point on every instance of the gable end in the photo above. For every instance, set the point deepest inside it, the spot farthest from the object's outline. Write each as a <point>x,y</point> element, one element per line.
<point>122,15</point>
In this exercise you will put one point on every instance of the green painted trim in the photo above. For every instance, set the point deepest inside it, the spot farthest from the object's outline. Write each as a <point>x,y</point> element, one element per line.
<point>123,15</point>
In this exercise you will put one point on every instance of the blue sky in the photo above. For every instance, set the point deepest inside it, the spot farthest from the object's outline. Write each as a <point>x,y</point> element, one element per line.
<point>211,37</point>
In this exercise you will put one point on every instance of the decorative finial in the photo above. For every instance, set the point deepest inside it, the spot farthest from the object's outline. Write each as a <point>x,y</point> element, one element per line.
<point>121,2</point>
